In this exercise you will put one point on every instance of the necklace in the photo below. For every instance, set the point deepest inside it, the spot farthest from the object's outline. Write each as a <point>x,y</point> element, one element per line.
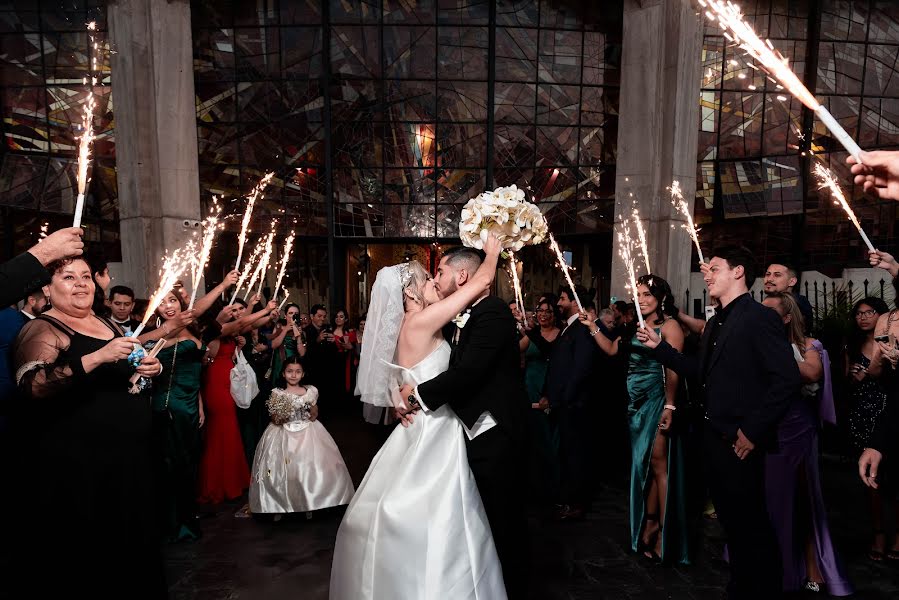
<point>171,378</point>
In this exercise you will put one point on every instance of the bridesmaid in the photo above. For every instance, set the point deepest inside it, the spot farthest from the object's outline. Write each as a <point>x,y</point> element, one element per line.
<point>792,474</point>
<point>658,518</point>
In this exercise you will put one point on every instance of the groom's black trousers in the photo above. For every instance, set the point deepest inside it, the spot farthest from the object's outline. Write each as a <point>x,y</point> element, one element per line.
<point>497,460</point>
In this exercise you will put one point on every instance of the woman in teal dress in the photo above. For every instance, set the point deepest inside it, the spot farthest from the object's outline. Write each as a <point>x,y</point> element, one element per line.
<point>536,346</point>
<point>658,519</point>
<point>177,419</point>
<point>287,341</point>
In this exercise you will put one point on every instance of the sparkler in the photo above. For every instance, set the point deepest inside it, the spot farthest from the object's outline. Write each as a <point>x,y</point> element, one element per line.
<point>288,248</point>
<point>641,236</point>
<point>246,273</point>
<point>44,227</point>
<point>516,283</point>
<point>84,155</point>
<point>262,266</point>
<point>210,227</point>
<point>825,176</point>
<point>626,252</point>
<point>245,225</point>
<point>730,19</point>
<point>284,301</point>
<point>564,266</point>
<point>677,199</point>
<point>172,268</point>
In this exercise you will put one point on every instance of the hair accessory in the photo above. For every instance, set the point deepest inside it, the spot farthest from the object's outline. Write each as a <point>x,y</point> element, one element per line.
<point>405,274</point>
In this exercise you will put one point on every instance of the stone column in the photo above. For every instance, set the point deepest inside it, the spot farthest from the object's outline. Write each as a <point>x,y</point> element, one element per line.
<point>156,132</point>
<point>658,131</point>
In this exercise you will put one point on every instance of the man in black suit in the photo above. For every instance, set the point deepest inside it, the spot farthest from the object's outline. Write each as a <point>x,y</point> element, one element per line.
<point>27,272</point>
<point>485,387</point>
<point>567,393</point>
<point>748,377</point>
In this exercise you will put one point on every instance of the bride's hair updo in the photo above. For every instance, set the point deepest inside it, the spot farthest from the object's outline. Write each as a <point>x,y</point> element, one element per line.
<point>414,282</point>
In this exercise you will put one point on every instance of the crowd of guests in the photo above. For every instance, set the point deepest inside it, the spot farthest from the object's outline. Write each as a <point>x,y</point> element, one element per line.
<point>722,412</point>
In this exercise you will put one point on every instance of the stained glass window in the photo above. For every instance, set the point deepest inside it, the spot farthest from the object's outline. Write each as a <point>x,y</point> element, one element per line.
<point>45,55</point>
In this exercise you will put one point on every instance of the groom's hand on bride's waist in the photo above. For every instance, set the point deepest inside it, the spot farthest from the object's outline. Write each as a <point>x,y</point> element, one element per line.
<point>405,411</point>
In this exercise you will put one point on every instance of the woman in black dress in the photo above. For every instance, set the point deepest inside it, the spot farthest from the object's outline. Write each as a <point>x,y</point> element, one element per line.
<point>83,450</point>
<point>867,399</point>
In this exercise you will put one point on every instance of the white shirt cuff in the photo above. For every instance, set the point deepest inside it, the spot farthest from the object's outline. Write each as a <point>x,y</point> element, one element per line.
<point>420,401</point>
<point>485,422</point>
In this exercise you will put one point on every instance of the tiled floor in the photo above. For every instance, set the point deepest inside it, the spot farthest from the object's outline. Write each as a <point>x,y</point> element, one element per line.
<point>250,559</point>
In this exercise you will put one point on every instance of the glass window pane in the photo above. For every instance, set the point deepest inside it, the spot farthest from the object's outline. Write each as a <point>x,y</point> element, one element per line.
<point>409,52</point>
<point>516,54</point>
<point>462,53</point>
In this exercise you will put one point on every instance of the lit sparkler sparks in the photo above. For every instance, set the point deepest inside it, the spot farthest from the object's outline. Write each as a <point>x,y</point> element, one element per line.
<point>641,236</point>
<point>825,176</point>
<point>677,199</point>
<point>288,248</point>
<point>730,19</point>
<point>84,155</point>
<point>210,227</point>
<point>626,252</point>
<point>45,226</point>
<point>172,268</point>
<point>262,267</point>
<point>564,266</point>
<point>245,224</point>
<point>516,283</point>
<point>246,272</point>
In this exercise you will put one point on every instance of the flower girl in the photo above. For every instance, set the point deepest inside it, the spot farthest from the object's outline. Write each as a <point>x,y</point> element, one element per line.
<point>297,467</point>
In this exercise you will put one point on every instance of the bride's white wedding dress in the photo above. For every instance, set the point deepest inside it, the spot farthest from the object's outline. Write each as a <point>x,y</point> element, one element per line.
<point>416,528</point>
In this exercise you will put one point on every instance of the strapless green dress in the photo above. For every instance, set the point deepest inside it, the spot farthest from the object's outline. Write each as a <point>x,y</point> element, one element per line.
<point>646,401</point>
<point>176,437</point>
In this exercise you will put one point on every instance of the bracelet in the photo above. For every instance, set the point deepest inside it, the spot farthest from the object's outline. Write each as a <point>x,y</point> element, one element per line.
<point>670,407</point>
<point>593,333</point>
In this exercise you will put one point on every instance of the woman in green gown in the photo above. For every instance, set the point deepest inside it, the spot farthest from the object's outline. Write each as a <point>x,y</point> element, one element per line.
<point>536,346</point>
<point>658,493</point>
<point>287,341</point>
<point>177,418</point>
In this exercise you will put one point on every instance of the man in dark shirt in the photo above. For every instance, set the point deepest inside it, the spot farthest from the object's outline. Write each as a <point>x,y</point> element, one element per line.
<point>781,277</point>
<point>748,377</point>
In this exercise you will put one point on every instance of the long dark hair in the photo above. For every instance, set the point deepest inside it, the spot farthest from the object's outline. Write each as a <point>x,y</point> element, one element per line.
<point>856,335</point>
<point>661,291</point>
<point>193,328</point>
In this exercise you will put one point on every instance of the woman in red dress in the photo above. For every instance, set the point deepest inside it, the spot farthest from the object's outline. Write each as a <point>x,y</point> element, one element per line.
<point>224,474</point>
<point>345,340</point>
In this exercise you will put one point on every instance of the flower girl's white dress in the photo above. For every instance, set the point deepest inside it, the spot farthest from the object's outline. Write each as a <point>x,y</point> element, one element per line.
<point>297,467</point>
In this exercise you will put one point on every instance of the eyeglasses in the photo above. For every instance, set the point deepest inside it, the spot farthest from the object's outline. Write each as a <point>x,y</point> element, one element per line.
<point>865,313</point>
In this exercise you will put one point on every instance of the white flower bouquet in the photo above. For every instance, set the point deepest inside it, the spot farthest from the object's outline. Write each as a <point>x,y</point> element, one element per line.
<point>504,211</point>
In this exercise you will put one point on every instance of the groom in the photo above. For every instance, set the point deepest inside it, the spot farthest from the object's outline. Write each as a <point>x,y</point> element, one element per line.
<point>485,387</point>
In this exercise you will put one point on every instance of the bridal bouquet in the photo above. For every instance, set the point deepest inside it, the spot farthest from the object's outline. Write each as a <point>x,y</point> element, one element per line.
<point>284,407</point>
<point>504,211</point>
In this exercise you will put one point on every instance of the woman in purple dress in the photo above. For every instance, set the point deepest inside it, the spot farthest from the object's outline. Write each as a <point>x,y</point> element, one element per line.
<point>793,477</point>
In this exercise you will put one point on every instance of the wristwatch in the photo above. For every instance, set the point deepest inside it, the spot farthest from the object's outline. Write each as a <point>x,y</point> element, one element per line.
<point>413,402</point>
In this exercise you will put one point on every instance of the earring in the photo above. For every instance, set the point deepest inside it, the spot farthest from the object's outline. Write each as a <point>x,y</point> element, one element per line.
<point>158,322</point>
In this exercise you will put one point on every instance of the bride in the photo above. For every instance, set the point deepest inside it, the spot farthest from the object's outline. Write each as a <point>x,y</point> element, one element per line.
<point>416,528</point>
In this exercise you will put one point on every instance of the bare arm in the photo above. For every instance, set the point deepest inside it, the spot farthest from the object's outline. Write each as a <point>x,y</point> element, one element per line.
<point>674,335</point>
<point>608,346</point>
<point>811,369</point>
<point>434,317</point>
<point>206,302</point>
<point>693,324</point>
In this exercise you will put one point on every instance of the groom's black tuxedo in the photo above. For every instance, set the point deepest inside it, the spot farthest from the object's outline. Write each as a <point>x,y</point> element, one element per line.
<point>485,375</point>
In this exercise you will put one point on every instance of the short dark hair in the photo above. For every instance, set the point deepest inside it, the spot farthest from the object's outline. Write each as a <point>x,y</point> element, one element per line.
<point>317,307</point>
<point>471,257</point>
<point>121,290</point>
<point>290,305</point>
<point>591,305</point>
<point>579,290</point>
<point>792,271</point>
<point>621,305</point>
<point>739,256</point>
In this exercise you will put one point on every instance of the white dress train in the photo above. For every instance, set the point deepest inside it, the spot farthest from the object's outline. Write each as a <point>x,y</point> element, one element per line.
<point>416,528</point>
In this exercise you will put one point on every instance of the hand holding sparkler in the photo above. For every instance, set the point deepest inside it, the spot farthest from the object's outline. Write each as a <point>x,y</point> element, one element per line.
<point>63,243</point>
<point>878,173</point>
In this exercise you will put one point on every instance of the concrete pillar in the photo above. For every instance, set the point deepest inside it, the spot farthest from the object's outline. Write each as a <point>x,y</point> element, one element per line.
<point>658,130</point>
<point>156,132</point>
